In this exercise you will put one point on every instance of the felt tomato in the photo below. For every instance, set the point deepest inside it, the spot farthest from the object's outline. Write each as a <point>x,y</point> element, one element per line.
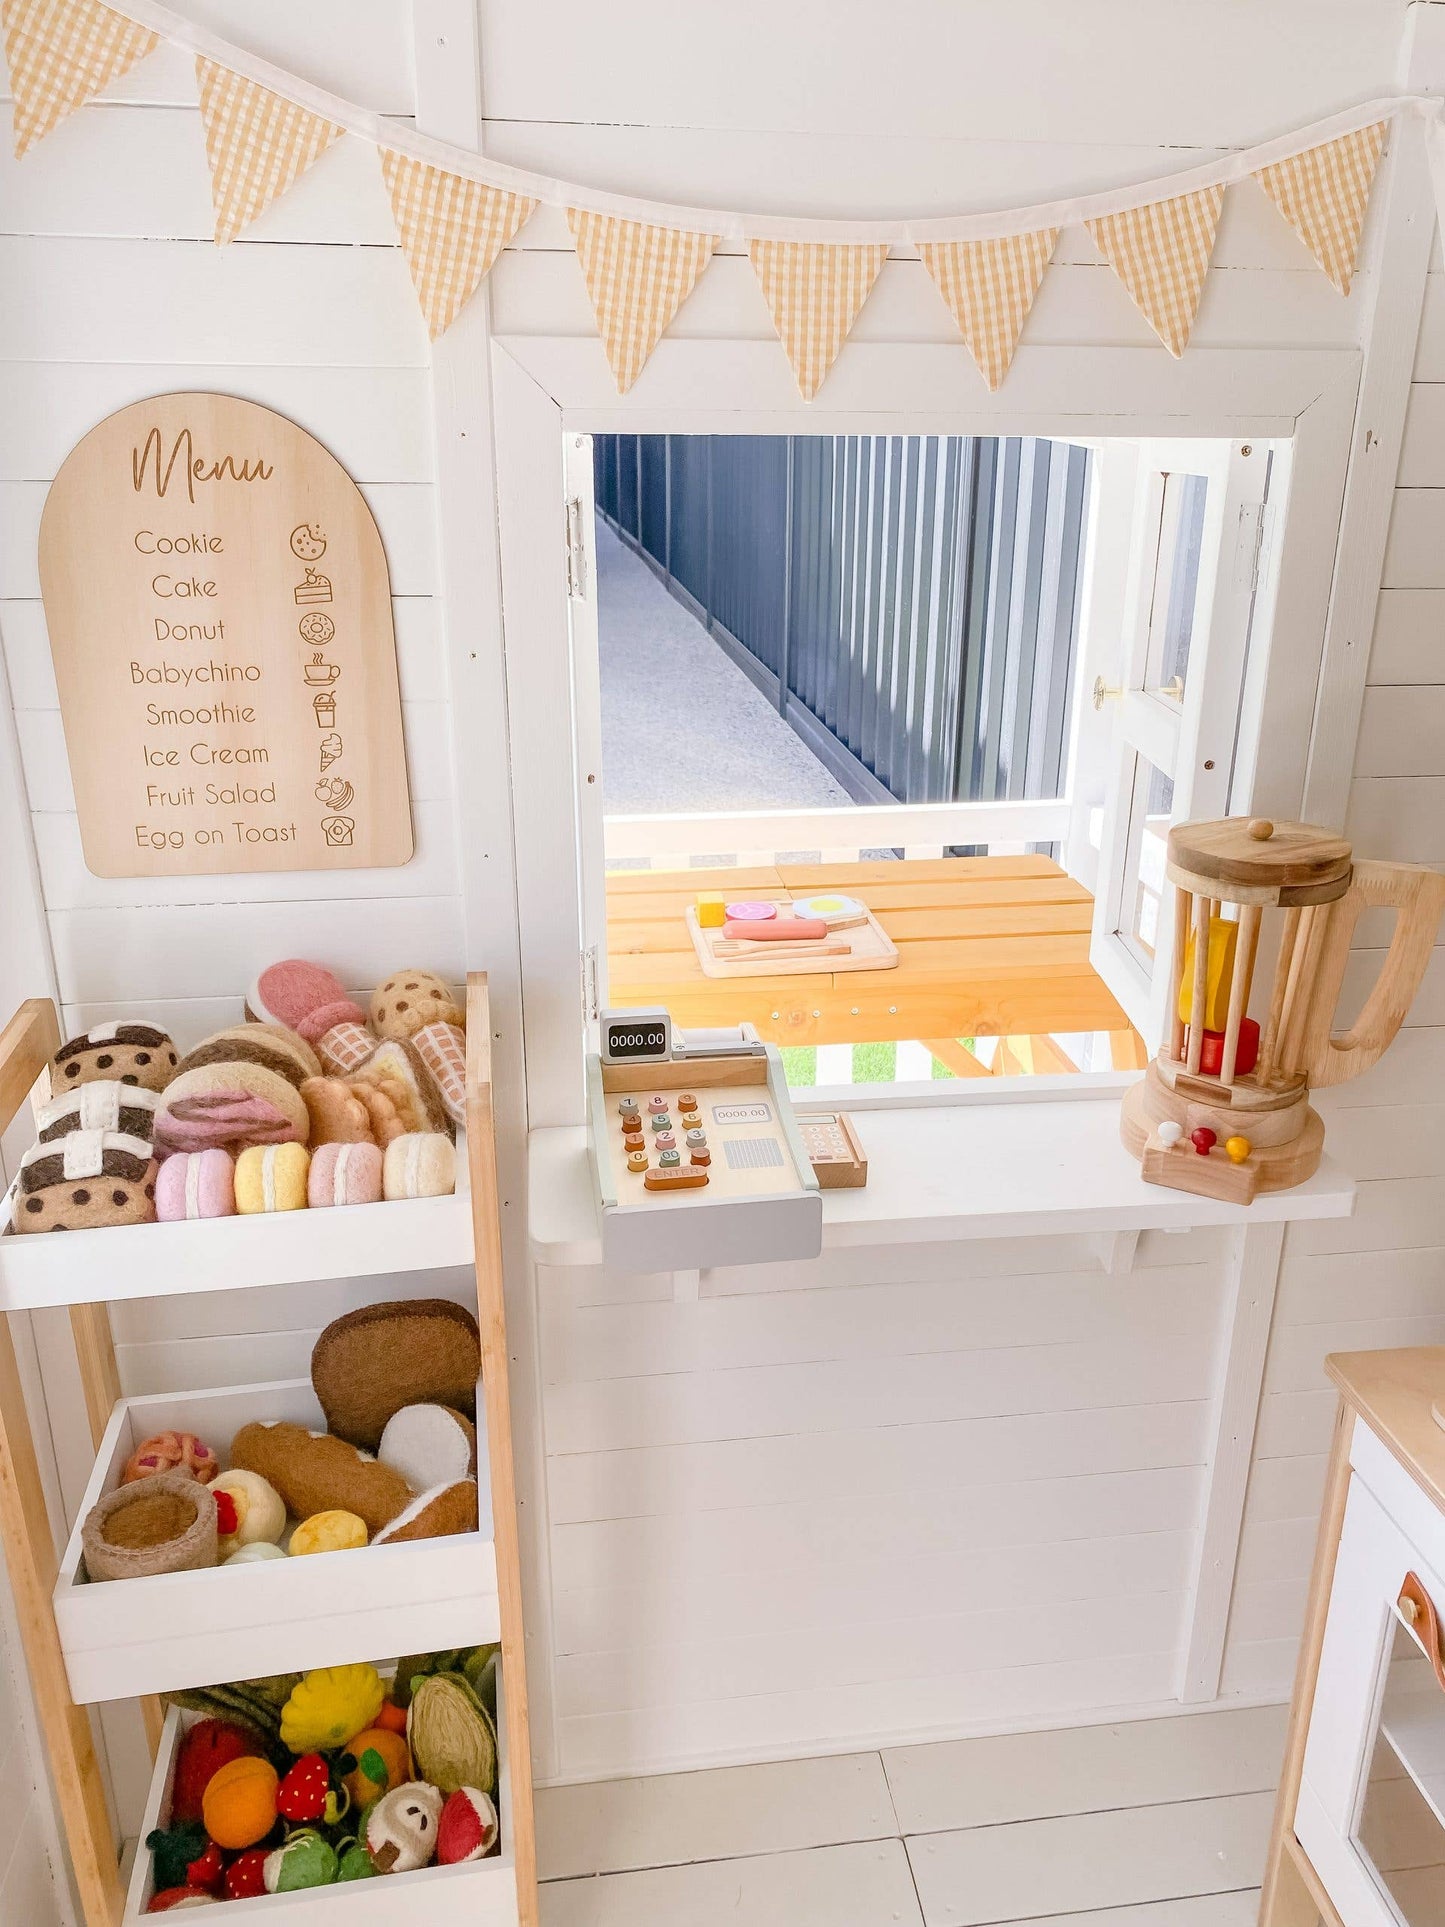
<point>246,1875</point>
<point>301,1796</point>
<point>239,1807</point>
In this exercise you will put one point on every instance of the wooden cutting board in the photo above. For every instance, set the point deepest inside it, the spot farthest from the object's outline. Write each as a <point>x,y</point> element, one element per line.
<point>869,948</point>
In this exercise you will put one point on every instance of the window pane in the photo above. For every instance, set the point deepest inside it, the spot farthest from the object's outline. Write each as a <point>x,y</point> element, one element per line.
<point>1400,1828</point>
<point>1176,582</point>
<point>1151,802</point>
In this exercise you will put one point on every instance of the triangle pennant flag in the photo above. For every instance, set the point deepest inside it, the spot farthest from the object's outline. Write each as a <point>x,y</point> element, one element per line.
<point>258,145</point>
<point>989,287</point>
<point>451,232</point>
<point>1323,195</point>
<point>1160,252</point>
<point>814,291</point>
<point>61,53</point>
<point>637,278</point>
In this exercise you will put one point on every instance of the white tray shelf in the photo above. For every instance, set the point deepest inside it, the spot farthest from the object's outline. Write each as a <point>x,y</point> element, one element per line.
<point>481,1894</point>
<point>124,1638</point>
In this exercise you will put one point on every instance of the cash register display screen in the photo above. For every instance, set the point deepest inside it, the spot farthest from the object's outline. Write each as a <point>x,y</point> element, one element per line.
<point>642,1040</point>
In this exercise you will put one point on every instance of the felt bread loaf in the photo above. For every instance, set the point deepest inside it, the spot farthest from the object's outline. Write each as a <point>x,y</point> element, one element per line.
<point>422,1164</point>
<point>103,1104</point>
<point>196,1184</point>
<point>84,1180</point>
<point>138,1054</point>
<point>368,1364</point>
<point>438,1514</point>
<point>272,1177</point>
<point>344,1174</point>
<point>318,1472</point>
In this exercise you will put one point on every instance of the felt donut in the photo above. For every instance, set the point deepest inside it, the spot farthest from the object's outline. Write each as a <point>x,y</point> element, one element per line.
<point>196,1184</point>
<point>422,1164</point>
<point>344,1174</point>
<point>84,1180</point>
<point>272,1177</point>
<point>138,1054</point>
<point>102,1104</point>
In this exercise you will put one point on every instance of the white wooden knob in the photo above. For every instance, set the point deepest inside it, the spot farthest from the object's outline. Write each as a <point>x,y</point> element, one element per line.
<point>1170,1133</point>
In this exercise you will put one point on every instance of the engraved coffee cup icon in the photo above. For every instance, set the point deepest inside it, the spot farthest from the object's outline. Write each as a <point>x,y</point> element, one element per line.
<point>325,707</point>
<point>318,671</point>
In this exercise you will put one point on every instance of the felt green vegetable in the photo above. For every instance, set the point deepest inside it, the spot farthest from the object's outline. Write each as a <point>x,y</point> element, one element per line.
<point>453,1741</point>
<point>306,1860</point>
<point>354,1862</point>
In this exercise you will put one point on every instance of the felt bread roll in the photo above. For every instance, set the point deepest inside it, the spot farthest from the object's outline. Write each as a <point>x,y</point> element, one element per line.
<point>396,1068</point>
<point>344,1174</point>
<point>422,1164</point>
<point>83,1181</point>
<point>438,1514</point>
<point>318,1472</point>
<point>137,1054</point>
<point>196,1184</point>
<point>419,1005</point>
<point>338,1115</point>
<point>272,1177</point>
<point>429,1445</point>
<point>103,1104</point>
<point>369,1363</point>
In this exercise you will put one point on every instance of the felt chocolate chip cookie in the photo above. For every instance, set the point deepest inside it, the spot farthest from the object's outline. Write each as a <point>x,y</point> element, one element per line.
<point>315,1472</point>
<point>370,1363</point>
<point>140,1054</point>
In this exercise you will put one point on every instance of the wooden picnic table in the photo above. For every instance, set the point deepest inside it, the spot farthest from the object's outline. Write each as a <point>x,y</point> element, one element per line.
<point>988,947</point>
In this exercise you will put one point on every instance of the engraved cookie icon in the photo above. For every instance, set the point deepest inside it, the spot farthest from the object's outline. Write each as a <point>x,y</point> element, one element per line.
<point>308,544</point>
<point>317,628</point>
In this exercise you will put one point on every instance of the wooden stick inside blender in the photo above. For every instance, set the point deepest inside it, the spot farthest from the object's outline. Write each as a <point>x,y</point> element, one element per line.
<point>1203,911</point>
<point>1283,964</point>
<point>1176,973</point>
<point>1246,944</point>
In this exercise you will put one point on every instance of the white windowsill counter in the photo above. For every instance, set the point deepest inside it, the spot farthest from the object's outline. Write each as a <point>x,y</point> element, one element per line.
<point>943,1172</point>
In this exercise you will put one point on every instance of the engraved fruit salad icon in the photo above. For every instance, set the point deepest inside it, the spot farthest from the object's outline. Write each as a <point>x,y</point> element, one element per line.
<point>308,544</point>
<point>335,792</point>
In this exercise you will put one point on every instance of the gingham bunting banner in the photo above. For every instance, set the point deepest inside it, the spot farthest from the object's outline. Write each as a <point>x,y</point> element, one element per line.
<point>1323,194</point>
<point>989,287</point>
<point>814,290</point>
<point>451,231</point>
<point>258,145</point>
<point>1161,252</point>
<point>60,54</point>
<point>637,278</point>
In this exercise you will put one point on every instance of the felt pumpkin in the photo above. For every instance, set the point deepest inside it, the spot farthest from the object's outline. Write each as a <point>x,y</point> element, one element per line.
<point>207,1747</point>
<point>239,1806</point>
<point>383,1761</point>
<point>329,1707</point>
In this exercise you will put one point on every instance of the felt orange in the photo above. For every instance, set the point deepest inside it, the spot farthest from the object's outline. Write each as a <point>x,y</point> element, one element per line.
<point>239,1804</point>
<point>383,1761</point>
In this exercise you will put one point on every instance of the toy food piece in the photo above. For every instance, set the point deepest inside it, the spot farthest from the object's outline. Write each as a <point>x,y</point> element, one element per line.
<point>368,1364</point>
<point>1211,1056</point>
<point>779,930</point>
<point>711,911</point>
<point>451,1735</point>
<point>337,1115</point>
<point>172,1452</point>
<point>166,1523</point>
<point>1223,935</point>
<point>317,1472</point>
<point>306,1860</point>
<point>419,1005</point>
<point>401,1830</point>
<point>422,1164</point>
<point>330,1706</point>
<point>229,1121</point>
<point>196,1184</point>
<point>272,1177</point>
<point>254,1555</point>
<point>829,907</point>
<point>305,1791</point>
<point>182,1856</point>
<point>344,1174</point>
<point>355,1862</point>
<point>468,1827</point>
<point>384,1121</point>
<point>397,1069</point>
<point>204,1750</point>
<point>429,1445</point>
<point>139,1054</point>
<point>85,1180</point>
<point>246,1875</point>
<point>105,1104</point>
<point>383,1761</point>
<point>308,999</point>
<point>177,1899</point>
<point>749,912</point>
<point>260,1510</point>
<point>438,1514</point>
<point>333,1531</point>
<point>266,1059</point>
<point>239,1805</point>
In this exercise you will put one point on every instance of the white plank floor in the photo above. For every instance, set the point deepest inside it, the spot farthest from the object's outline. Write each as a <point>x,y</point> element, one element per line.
<point>1155,1823</point>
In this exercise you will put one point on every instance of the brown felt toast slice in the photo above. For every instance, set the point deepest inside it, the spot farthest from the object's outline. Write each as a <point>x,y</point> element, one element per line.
<point>369,1363</point>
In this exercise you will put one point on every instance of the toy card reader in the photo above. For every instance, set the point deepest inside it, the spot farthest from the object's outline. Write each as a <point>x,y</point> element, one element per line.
<point>696,1152</point>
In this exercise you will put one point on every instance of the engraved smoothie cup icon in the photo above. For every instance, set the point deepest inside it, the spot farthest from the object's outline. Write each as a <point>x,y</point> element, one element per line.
<point>325,707</point>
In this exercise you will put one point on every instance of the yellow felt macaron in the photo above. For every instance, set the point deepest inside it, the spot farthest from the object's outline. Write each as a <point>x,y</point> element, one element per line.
<point>272,1177</point>
<point>328,1532</point>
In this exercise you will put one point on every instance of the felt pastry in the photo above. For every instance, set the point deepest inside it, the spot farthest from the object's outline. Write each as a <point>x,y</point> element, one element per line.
<point>368,1363</point>
<point>307,1859</point>
<point>310,1000</point>
<point>104,1104</point>
<point>344,1174</point>
<point>401,1829</point>
<point>330,1706</point>
<point>438,1514</point>
<point>268,1064</point>
<point>256,1554</point>
<point>138,1054</point>
<point>229,1121</point>
<point>272,1177</point>
<point>239,1805</point>
<point>316,1472</point>
<point>419,1005</point>
<point>384,1120</point>
<point>196,1184</point>
<point>172,1452</point>
<point>451,1735</point>
<point>383,1761</point>
<point>429,1445</point>
<point>260,1511</point>
<point>396,1068</point>
<point>166,1523</point>
<point>423,1164</point>
<point>333,1531</point>
<point>83,1180</point>
<point>204,1750</point>
<point>468,1827</point>
<point>338,1115</point>
<point>246,1875</point>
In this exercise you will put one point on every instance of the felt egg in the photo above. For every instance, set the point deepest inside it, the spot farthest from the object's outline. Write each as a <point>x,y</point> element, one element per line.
<point>239,1805</point>
<point>254,1555</point>
<point>272,1177</point>
<point>383,1761</point>
<point>260,1511</point>
<point>468,1827</point>
<point>333,1531</point>
<point>401,1829</point>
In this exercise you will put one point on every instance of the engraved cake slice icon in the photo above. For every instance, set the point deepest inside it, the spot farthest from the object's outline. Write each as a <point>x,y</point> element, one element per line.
<point>316,588</point>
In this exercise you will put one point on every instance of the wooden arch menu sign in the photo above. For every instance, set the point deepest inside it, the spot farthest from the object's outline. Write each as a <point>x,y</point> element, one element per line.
<point>220,618</point>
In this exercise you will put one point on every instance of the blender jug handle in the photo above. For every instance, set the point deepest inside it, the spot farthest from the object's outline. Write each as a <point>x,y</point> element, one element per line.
<point>1418,896</point>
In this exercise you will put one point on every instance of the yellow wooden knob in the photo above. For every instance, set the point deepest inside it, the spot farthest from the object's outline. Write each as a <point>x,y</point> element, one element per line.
<point>1261,829</point>
<point>1237,1148</point>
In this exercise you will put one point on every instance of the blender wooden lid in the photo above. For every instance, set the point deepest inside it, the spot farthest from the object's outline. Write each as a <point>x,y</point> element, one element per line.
<point>1261,857</point>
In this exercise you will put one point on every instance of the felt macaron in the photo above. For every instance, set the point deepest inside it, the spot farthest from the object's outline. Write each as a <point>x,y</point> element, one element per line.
<point>421,1164</point>
<point>344,1174</point>
<point>272,1177</point>
<point>137,1054</point>
<point>196,1184</point>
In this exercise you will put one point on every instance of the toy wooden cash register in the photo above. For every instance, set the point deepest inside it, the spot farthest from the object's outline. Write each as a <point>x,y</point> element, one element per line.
<point>696,1152</point>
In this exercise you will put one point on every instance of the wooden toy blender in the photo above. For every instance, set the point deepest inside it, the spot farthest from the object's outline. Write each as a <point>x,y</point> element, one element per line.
<point>1223,1109</point>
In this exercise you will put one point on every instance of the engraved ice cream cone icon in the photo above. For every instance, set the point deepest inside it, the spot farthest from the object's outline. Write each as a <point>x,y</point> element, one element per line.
<point>325,706</point>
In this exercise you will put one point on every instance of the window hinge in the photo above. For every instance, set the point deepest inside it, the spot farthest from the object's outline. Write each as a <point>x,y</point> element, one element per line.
<point>576,551</point>
<point>1252,551</point>
<point>590,1005</point>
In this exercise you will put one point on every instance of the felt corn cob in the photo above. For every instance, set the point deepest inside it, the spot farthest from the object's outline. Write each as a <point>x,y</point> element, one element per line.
<point>416,1006</point>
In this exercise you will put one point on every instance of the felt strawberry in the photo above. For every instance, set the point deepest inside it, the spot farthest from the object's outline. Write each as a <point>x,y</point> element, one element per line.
<point>207,1870</point>
<point>301,1796</point>
<point>246,1875</point>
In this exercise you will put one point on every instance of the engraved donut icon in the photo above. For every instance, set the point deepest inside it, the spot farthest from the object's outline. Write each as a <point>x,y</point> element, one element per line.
<point>308,544</point>
<point>317,628</point>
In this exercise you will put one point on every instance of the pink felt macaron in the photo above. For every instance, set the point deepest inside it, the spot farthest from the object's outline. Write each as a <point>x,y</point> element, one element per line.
<point>196,1184</point>
<point>344,1174</point>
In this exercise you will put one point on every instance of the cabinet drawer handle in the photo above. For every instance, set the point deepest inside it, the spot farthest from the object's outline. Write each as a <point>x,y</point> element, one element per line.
<point>1417,1609</point>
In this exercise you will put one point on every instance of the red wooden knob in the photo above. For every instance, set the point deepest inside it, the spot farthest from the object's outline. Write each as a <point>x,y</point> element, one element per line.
<point>1203,1140</point>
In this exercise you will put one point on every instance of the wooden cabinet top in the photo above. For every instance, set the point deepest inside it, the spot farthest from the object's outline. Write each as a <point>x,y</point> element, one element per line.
<point>1393,1393</point>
